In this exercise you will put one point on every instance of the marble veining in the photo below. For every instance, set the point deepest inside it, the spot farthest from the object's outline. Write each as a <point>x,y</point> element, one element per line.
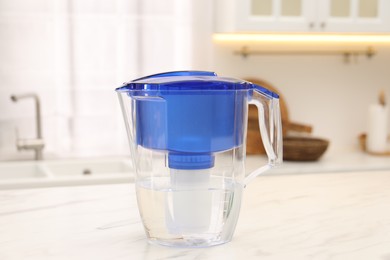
<point>310,216</point>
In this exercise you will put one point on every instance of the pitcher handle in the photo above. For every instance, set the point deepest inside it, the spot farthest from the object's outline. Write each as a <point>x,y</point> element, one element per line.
<point>267,103</point>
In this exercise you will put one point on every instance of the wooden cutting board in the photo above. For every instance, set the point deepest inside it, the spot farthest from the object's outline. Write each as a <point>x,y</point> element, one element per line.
<point>254,143</point>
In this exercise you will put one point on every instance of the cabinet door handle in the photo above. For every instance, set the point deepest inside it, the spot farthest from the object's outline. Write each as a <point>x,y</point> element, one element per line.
<point>322,25</point>
<point>311,25</point>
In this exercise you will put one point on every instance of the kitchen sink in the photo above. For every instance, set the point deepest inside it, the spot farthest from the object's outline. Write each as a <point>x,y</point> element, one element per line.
<point>64,173</point>
<point>89,168</point>
<point>22,170</point>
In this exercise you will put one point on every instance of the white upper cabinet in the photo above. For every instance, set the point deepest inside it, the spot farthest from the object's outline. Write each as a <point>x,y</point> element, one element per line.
<point>354,15</point>
<point>302,15</point>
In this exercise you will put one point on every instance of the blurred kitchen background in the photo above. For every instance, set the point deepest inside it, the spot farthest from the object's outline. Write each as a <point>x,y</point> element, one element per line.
<point>73,54</point>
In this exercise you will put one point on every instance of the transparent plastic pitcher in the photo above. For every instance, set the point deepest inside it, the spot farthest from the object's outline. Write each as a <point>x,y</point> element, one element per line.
<point>187,133</point>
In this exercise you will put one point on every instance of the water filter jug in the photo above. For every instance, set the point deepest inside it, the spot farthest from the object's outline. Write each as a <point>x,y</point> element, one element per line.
<point>187,134</point>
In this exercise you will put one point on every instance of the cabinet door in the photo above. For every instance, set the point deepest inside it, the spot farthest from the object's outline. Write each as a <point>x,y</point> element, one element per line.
<point>266,15</point>
<point>276,15</point>
<point>354,16</point>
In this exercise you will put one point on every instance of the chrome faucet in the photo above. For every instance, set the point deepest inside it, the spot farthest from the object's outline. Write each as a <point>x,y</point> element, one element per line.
<point>36,144</point>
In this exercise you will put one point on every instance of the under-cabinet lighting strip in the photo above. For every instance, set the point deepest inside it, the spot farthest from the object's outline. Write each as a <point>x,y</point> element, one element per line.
<point>319,38</point>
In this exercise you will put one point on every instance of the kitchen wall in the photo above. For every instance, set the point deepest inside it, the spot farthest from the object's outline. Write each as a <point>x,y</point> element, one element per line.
<point>323,91</point>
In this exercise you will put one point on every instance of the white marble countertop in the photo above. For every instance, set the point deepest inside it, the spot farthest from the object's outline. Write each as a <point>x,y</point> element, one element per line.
<point>332,161</point>
<point>307,216</point>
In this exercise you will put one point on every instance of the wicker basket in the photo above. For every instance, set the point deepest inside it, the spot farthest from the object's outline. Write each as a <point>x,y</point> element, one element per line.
<point>303,148</point>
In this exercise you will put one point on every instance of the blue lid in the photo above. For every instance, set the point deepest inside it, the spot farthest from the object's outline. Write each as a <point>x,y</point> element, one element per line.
<point>190,115</point>
<point>190,80</point>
